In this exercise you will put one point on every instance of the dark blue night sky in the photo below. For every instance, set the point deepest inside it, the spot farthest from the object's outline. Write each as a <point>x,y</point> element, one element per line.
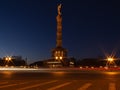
<point>28,27</point>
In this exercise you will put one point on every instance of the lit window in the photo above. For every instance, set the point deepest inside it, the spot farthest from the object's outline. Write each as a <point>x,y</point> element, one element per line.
<point>56,57</point>
<point>9,58</point>
<point>60,57</point>
<point>6,58</point>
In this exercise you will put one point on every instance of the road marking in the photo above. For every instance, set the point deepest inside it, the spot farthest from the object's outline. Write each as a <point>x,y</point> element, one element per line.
<point>36,85</point>
<point>9,85</point>
<point>112,86</point>
<point>59,86</point>
<point>84,87</point>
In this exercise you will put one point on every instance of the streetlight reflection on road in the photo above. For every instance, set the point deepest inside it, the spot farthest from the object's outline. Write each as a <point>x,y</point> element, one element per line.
<point>7,74</point>
<point>58,73</point>
<point>111,73</point>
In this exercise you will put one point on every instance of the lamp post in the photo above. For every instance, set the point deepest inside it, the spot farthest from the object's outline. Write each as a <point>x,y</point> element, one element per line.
<point>8,59</point>
<point>110,62</point>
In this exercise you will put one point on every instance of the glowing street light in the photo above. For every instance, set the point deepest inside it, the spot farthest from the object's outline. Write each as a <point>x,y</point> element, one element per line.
<point>110,61</point>
<point>8,58</point>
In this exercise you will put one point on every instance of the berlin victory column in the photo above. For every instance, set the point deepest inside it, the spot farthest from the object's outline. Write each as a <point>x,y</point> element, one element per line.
<point>59,53</point>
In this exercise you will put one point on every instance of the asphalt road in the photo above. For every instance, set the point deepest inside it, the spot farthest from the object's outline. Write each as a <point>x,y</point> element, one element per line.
<point>59,80</point>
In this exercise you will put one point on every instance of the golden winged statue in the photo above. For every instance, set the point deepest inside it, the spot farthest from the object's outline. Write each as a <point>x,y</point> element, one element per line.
<point>59,9</point>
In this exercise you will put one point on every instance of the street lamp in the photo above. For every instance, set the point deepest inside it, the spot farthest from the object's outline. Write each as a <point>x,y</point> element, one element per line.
<point>8,59</point>
<point>110,61</point>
